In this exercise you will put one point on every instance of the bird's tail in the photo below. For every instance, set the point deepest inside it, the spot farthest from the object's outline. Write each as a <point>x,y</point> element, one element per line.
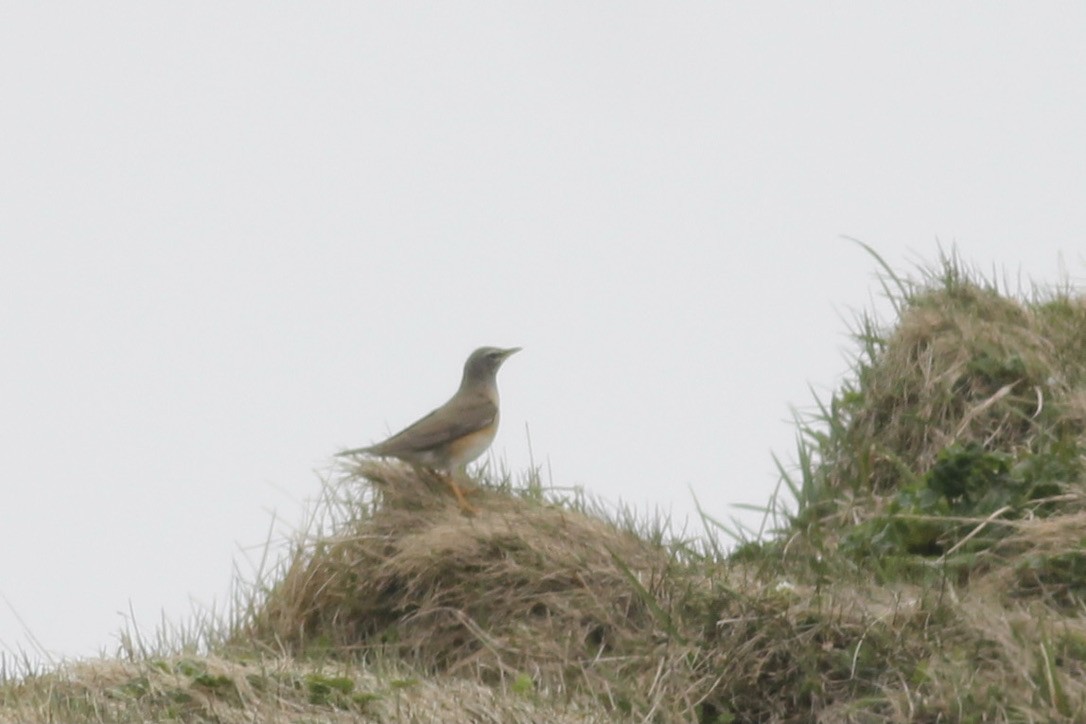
<point>356,451</point>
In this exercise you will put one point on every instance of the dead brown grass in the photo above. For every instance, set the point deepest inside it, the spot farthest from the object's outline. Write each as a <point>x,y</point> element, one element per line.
<point>523,589</point>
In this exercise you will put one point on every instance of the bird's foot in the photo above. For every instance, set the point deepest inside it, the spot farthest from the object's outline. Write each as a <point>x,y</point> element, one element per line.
<point>465,507</point>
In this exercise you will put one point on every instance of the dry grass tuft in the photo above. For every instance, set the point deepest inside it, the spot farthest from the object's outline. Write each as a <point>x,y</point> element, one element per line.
<point>969,413</point>
<point>525,590</point>
<point>964,364</point>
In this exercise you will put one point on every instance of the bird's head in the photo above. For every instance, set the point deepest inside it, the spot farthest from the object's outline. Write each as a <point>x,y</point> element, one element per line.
<point>482,365</point>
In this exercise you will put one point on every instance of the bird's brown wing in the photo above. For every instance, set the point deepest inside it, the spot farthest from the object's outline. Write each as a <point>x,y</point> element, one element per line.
<point>459,417</point>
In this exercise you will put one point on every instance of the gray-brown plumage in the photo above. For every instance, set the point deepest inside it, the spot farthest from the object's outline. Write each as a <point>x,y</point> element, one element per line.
<point>459,431</point>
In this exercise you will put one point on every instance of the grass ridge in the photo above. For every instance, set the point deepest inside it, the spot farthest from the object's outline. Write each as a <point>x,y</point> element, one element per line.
<point>921,560</point>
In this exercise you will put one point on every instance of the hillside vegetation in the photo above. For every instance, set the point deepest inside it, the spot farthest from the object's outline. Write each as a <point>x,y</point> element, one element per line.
<point>924,561</point>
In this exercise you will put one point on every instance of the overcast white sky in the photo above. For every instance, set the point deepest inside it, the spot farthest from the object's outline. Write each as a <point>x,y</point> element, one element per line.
<point>237,237</point>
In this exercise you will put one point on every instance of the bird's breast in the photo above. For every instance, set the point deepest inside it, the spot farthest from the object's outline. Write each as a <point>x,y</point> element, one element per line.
<point>463,451</point>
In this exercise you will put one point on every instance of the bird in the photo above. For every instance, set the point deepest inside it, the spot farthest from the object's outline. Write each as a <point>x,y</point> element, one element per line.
<point>456,433</point>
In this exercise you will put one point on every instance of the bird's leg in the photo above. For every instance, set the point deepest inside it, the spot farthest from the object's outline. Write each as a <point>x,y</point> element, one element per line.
<point>465,507</point>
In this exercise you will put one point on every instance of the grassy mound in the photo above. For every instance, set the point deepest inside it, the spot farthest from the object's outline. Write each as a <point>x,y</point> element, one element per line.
<point>526,593</point>
<point>929,567</point>
<point>964,366</point>
<point>962,432</point>
<point>950,471</point>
